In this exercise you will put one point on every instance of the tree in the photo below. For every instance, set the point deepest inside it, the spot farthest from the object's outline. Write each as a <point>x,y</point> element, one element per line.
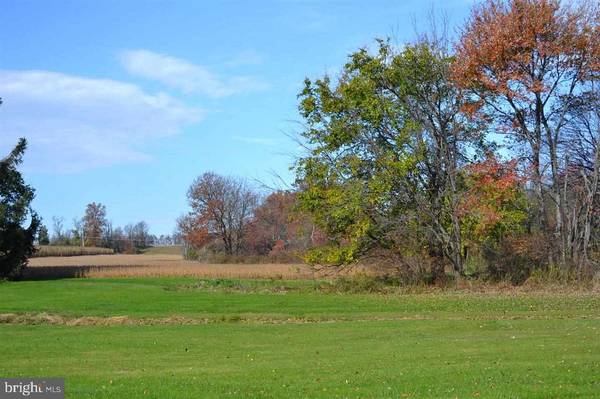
<point>581,178</point>
<point>494,204</point>
<point>76,231</point>
<point>58,236</point>
<point>43,237</point>
<point>141,235</point>
<point>221,207</point>
<point>16,241</point>
<point>94,223</point>
<point>385,144</point>
<point>108,235</point>
<point>120,242</point>
<point>526,64</point>
<point>278,225</point>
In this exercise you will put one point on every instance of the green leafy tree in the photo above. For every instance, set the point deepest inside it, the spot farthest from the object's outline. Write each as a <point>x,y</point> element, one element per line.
<point>16,241</point>
<point>386,144</point>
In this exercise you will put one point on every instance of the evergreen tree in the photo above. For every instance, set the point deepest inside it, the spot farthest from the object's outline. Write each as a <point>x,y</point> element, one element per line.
<point>16,241</point>
<point>43,236</point>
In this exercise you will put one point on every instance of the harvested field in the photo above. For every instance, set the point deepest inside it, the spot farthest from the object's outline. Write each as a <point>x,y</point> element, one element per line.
<point>111,260</point>
<point>156,266</point>
<point>163,250</point>
<point>69,250</point>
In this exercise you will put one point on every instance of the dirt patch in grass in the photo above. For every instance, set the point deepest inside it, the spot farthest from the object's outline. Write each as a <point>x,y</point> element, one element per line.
<point>54,319</point>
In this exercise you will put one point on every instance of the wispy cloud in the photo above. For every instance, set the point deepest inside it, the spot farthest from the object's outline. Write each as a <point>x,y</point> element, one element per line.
<point>185,76</point>
<point>75,123</point>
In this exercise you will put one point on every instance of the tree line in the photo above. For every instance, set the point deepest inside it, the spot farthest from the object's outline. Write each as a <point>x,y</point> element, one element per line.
<point>94,229</point>
<point>478,156</point>
<point>405,158</point>
<point>228,216</point>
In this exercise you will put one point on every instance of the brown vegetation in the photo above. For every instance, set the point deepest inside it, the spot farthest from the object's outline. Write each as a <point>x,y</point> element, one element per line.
<point>67,250</point>
<point>157,266</point>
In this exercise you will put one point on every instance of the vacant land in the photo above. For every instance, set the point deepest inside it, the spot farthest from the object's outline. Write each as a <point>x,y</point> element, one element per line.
<point>163,250</point>
<point>69,250</point>
<point>162,265</point>
<point>185,337</point>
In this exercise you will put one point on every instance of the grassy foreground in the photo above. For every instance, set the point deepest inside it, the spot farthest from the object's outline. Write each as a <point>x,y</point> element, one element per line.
<point>181,338</point>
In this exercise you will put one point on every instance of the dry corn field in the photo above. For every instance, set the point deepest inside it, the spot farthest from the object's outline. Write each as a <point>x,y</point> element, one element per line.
<point>156,266</point>
<point>59,250</point>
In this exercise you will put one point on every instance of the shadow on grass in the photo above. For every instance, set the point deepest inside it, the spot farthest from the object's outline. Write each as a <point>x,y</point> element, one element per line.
<point>60,272</point>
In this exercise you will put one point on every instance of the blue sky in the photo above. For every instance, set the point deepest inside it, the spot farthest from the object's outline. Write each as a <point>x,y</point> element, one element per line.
<point>125,102</point>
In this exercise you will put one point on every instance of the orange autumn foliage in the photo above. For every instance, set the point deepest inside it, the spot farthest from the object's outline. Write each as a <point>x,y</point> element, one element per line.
<point>515,48</point>
<point>492,202</point>
<point>277,226</point>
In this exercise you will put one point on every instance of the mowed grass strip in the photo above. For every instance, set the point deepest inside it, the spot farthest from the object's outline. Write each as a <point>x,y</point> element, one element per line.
<point>273,339</point>
<point>402,359</point>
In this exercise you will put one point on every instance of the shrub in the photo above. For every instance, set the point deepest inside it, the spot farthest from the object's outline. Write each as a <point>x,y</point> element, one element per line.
<point>515,258</point>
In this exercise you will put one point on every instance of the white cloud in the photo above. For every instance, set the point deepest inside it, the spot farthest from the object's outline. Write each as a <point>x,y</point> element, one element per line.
<point>75,123</point>
<point>185,76</point>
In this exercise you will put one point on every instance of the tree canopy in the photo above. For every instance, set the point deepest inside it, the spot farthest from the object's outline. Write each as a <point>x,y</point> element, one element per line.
<point>403,159</point>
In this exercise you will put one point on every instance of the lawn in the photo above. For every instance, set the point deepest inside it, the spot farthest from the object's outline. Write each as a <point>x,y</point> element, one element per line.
<point>183,338</point>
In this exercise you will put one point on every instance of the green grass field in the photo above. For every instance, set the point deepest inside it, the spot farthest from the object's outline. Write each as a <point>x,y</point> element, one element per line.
<point>188,339</point>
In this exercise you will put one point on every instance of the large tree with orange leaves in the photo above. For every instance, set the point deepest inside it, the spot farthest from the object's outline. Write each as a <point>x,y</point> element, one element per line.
<point>527,63</point>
